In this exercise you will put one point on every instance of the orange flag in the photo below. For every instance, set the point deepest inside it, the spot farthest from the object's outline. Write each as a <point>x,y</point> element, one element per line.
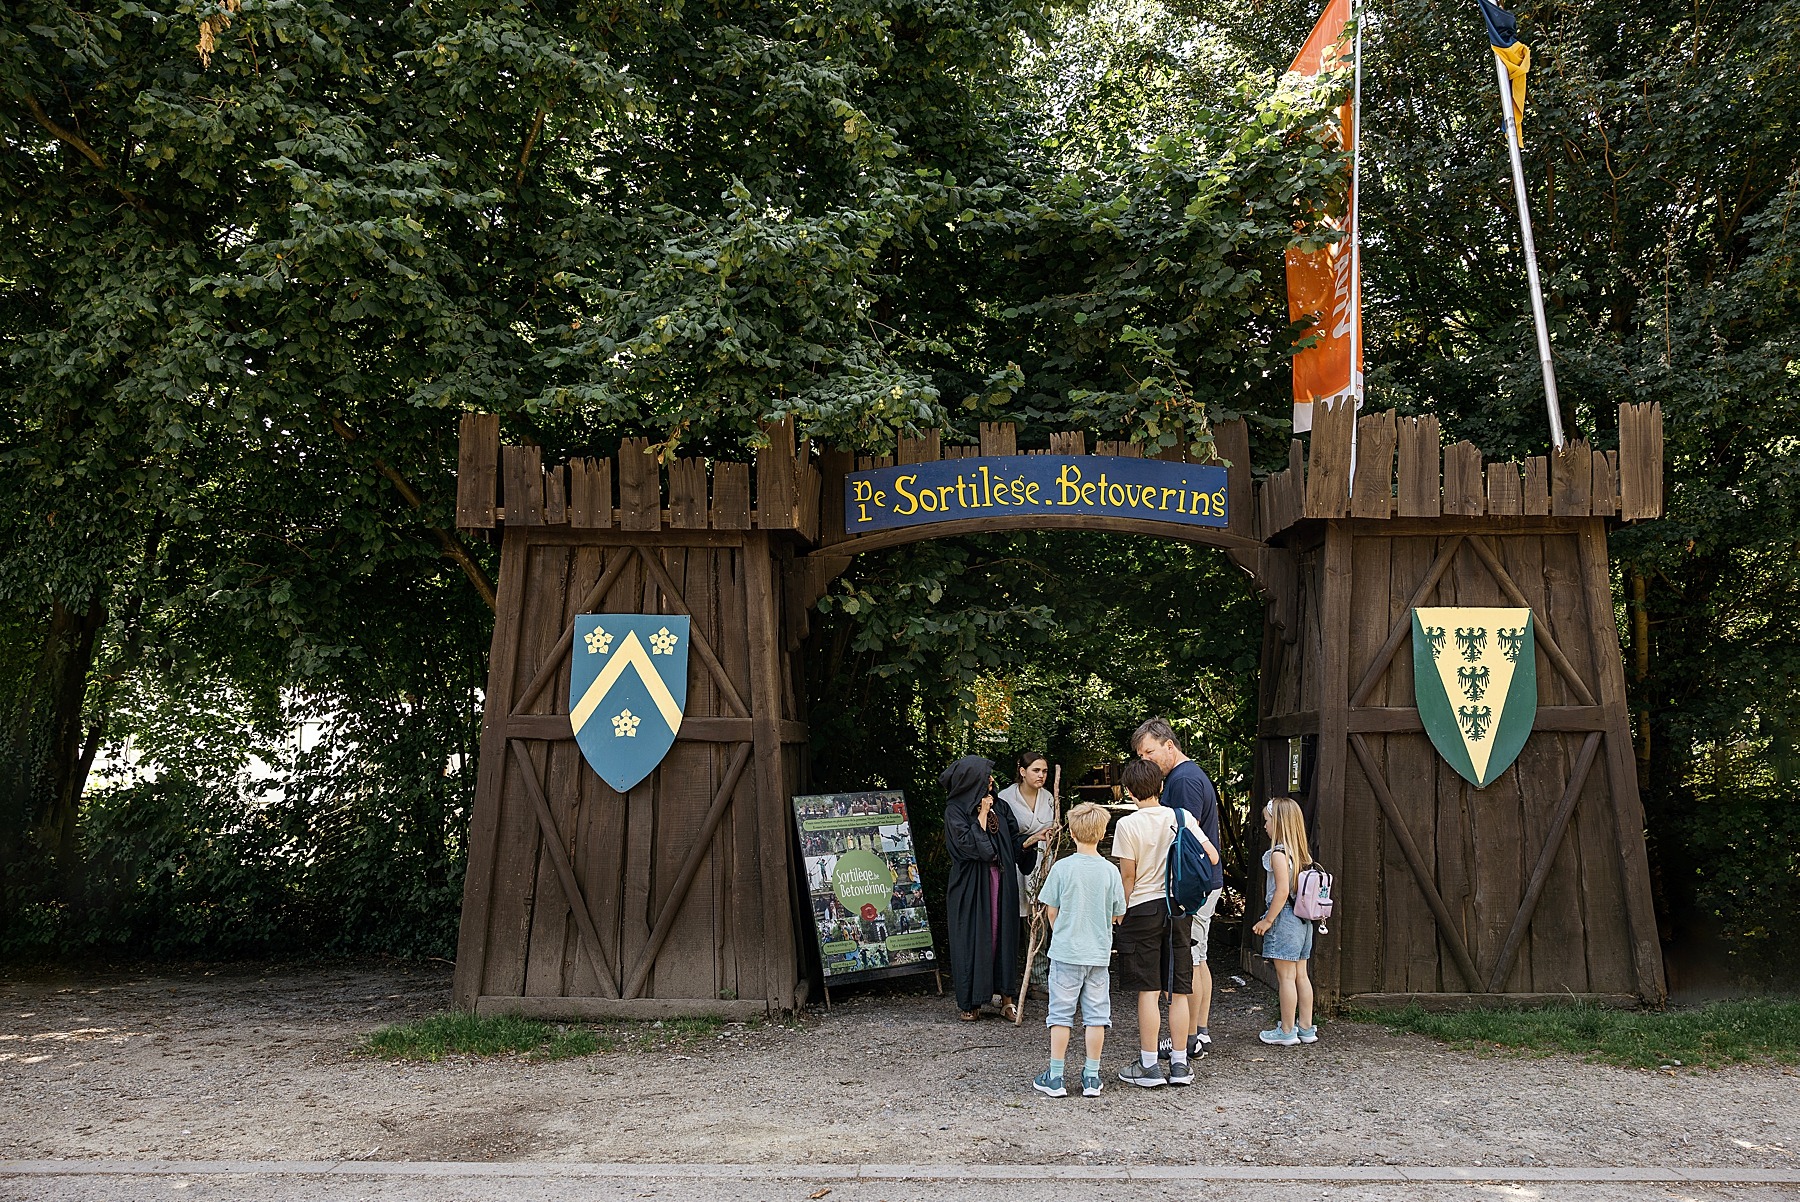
<point>1319,284</point>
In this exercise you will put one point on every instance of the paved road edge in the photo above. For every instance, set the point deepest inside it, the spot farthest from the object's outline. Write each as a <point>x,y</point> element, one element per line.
<point>1596,1174</point>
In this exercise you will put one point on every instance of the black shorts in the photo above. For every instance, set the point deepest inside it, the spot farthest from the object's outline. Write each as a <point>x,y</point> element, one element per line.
<point>1146,940</point>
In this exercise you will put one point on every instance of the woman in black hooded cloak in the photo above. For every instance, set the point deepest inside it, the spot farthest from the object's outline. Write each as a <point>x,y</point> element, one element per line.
<point>986,855</point>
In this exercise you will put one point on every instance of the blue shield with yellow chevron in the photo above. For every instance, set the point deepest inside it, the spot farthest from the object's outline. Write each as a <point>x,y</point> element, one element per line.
<point>627,689</point>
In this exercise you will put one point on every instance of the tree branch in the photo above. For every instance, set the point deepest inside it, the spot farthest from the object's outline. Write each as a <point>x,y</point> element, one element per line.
<point>452,545</point>
<point>87,152</point>
<point>537,127</point>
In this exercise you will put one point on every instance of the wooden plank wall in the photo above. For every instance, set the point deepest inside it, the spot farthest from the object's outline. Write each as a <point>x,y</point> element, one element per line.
<point>794,488</point>
<point>1588,927</point>
<point>688,906</point>
<point>498,485</point>
<point>1399,469</point>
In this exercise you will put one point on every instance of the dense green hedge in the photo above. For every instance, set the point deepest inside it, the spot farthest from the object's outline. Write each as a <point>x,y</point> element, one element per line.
<point>353,847</point>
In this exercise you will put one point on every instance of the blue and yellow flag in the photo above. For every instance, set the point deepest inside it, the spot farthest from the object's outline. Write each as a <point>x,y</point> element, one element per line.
<point>1503,36</point>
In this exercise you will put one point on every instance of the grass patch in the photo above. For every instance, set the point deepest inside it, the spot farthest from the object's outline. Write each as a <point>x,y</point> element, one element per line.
<point>1753,1031</point>
<point>462,1034</point>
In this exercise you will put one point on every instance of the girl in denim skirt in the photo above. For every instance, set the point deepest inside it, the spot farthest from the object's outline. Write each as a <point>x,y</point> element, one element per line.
<point>1287,938</point>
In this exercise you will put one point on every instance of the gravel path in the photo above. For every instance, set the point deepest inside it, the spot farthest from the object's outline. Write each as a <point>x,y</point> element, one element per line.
<point>430,1189</point>
<point>254,1063</point>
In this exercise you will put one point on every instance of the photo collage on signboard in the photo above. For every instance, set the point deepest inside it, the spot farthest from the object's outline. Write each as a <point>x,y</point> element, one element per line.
<point>862,877</point>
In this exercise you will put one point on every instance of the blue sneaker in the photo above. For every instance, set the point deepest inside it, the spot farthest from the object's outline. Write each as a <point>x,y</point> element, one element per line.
<point>1090,1085</point>
<point>1279,1034</point>
<point>1044,1083</point>
<point>1307,1034</point>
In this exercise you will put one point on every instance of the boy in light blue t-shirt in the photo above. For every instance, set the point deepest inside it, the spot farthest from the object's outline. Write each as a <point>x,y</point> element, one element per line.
<point>1083,897</point>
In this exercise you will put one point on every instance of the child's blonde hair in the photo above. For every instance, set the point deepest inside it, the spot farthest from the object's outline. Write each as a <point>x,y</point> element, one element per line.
<point>1290,832</point>
<point>1087,822</point>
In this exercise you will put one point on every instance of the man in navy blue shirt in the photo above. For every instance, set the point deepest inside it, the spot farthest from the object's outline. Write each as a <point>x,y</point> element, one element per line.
<point>1187,787</point>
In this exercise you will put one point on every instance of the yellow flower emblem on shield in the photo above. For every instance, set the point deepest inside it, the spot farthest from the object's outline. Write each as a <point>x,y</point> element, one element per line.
<point>627,689</point>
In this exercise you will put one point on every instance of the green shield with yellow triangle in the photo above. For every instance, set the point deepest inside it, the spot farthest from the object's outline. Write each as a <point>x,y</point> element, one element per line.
<point>1475,681</point>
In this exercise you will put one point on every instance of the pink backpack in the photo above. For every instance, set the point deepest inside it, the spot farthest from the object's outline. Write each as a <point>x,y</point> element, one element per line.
<point>1312,896</point>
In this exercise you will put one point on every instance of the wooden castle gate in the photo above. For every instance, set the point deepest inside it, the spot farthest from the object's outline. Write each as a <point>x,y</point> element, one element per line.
<point>681,896</point>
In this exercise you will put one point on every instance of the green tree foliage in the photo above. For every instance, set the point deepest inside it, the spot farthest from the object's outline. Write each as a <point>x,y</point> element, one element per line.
<point>1141,297</point>
<point>1080,637</point>
<point>257,257</point>
<point>1660,161</point>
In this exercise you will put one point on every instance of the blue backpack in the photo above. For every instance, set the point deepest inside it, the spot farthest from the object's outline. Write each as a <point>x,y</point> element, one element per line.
<point>1191,875</point>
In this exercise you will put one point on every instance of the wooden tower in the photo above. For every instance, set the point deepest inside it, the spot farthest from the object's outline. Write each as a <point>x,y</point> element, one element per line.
<point>1539,883</point>
<point>676,897</point>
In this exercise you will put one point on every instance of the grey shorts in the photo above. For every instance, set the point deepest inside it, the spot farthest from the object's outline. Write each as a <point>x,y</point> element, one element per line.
<point>1202,928</point>
<point>1090,984</point>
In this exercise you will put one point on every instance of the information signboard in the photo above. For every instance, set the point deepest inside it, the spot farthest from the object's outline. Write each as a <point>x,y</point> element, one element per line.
<point>950,490</point>
<point>862,878</point>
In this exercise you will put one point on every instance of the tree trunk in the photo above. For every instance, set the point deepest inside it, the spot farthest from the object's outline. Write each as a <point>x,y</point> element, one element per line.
<point>47,750</point>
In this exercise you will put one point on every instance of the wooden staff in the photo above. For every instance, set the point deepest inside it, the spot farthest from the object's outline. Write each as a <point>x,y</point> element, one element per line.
<point>1033,883</point>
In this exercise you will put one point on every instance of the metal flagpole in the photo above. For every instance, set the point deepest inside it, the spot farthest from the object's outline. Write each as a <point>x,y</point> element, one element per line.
<point>1356,384</point>
<point>1356,381</point>
<point>1531,267</point>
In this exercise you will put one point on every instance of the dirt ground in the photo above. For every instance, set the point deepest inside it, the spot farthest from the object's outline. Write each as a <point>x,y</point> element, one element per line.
<point>256,1063</point>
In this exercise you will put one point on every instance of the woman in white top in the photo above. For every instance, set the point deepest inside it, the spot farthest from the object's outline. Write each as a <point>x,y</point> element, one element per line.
<point>1033,808</point>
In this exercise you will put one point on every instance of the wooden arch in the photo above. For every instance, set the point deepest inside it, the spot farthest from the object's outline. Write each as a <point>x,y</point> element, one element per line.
<point>680,896</point>
<point>900,537</point>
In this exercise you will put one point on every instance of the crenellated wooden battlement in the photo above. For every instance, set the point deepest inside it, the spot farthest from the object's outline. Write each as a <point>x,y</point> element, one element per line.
<point>1398,468</point>
<point>1402,470</point>
<point>511,485</point>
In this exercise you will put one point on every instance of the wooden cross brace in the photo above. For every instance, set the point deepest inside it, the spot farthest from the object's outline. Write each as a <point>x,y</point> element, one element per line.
<point>1584,762</point>
<point>565,871</point>
<point>1402,627</point>
<point>558,852</point>
<point>1427,881</point>
<point>672,598</point>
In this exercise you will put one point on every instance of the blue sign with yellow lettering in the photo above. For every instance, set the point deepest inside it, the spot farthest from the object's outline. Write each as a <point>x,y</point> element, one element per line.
<point>950,490</point>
